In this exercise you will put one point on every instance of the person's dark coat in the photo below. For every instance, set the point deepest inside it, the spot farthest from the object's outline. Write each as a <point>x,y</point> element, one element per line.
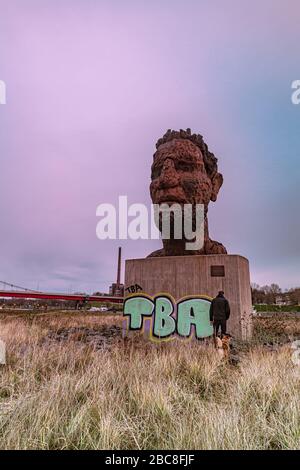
<point>219,309</point>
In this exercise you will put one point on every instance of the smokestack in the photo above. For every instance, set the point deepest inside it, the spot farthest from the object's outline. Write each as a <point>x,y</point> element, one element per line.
<point>119,266</point>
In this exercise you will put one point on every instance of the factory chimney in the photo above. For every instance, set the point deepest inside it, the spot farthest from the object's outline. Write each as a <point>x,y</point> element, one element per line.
<point>117,289</point>
<point>119,266</point>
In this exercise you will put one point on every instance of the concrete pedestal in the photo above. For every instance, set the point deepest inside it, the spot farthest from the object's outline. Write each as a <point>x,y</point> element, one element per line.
<point>181,276</point>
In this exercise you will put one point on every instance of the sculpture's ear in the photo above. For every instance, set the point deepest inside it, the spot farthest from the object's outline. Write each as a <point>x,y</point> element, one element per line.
<point>217,182</point>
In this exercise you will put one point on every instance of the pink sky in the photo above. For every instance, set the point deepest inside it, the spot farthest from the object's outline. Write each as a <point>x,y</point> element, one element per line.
<point>91,86</point>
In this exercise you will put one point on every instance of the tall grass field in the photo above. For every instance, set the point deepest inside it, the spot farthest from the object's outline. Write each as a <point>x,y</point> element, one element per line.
<point>72,382</point>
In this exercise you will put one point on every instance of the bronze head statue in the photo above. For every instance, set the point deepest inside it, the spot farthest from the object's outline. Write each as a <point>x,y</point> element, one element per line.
<point>184,171</point>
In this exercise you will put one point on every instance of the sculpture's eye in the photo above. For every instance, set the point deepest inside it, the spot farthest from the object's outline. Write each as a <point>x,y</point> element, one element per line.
<point>155,173</point>
<point>182,166</point>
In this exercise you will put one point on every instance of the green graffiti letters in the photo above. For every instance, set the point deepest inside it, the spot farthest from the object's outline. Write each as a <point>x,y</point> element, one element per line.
<point>187,318</point>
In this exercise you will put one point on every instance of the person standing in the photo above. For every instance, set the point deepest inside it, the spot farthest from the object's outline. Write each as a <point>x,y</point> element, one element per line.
<point>219,313</point>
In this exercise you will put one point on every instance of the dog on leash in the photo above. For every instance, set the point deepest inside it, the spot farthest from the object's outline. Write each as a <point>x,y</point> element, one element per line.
<point>223,345</point>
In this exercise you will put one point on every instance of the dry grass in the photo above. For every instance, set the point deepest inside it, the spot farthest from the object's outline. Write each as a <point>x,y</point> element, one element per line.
<point>137,395</point>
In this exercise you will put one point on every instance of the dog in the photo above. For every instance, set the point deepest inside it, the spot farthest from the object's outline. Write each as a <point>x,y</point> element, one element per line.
<point>223,346</point>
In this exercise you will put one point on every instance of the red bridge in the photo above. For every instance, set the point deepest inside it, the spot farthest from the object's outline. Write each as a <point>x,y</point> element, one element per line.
<point>58,296</point>
<point>24,293</point>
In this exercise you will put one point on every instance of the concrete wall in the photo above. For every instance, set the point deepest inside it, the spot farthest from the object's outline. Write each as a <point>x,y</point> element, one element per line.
<point>180,276</point>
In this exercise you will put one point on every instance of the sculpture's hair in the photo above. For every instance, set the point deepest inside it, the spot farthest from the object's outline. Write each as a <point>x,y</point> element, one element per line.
<point>210,161</point>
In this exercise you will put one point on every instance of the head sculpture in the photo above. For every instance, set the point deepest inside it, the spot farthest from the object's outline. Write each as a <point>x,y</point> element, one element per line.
<point>184,171</point>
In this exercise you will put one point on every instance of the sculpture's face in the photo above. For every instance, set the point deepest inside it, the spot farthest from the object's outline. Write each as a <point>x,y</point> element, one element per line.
<point>179,175</point>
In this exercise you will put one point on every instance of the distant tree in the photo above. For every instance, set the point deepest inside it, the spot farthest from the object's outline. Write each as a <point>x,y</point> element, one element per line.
<point>294,295</point>
<point>255,286</point>
<point>265,294</point>
<point>258,294</point>
<point>275,289</point>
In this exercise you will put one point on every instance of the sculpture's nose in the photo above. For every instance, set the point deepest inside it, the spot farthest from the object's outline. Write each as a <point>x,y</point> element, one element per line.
<point>168,176</point>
